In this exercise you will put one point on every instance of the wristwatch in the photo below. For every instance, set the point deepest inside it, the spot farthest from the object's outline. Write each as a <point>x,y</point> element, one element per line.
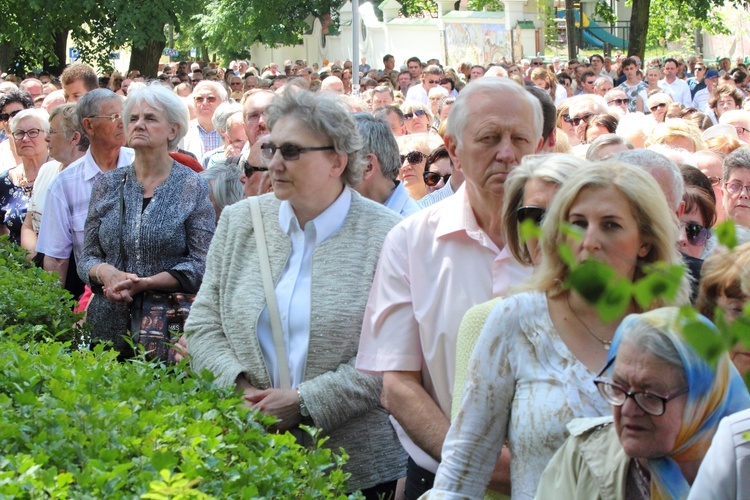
<point>302,407</point>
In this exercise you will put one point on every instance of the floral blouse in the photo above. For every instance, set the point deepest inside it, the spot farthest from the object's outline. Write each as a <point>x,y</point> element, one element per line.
<point>13,203</point>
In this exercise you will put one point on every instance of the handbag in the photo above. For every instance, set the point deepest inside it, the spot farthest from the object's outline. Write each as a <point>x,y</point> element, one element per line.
<point>157,319</point>
<point>270,292</point>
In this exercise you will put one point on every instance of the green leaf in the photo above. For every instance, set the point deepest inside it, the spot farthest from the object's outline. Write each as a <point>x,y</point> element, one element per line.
<point>703,339</point>
<point>726,233</point>
<point>590,279</point>
<point>615,300</point>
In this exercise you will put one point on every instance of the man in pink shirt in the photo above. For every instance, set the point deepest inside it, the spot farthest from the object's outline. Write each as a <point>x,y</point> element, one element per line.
<point>440,262</point>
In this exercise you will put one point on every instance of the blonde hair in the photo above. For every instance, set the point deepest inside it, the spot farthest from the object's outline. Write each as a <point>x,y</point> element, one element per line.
<point>674,128</point>
<point>424,142</point>
<point>657,223</point>
<point>723,274</point>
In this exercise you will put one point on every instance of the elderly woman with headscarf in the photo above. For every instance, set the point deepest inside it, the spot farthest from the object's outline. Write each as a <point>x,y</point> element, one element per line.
<point>667,403</point>
<point>290,349</point>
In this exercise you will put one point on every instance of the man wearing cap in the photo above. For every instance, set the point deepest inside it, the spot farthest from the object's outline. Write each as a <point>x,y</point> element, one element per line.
<point>696,83</point>
<point>700,101</point>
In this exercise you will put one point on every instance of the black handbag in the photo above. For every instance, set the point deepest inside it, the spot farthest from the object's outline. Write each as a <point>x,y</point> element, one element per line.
<point>157,319</point>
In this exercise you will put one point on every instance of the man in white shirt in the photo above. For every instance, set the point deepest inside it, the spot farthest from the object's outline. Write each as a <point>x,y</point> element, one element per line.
<point>202,137</point>
<point>673,86</point>
<point>430,78</point>
<point>441,261</point>
<point>67,203</point>
<point>700,101</point>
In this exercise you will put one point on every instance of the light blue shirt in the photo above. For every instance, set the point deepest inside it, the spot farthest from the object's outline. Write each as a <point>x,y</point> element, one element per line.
<point>400,201</point>
<point>436,196</point>
<point>293,291</point>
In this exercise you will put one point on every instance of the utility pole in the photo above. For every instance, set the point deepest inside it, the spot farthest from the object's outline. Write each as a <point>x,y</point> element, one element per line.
<point>570,26</point>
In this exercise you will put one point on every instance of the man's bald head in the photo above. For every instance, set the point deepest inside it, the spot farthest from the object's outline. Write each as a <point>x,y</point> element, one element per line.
<point>332,84</point>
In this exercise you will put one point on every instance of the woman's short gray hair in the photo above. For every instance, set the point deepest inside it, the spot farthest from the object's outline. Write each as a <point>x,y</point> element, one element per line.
<point>594,152</point>
<point>167,102</point>
<point>327,116</point>
<point>225,184</point>
<point>222,114</point>
<point>37,114</point>
<point>650,339</point>
<point>552,168</point>
<point>69,124</point>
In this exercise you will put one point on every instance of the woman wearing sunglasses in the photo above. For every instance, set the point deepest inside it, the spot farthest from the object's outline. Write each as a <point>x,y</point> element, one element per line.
<point>439,169</point>
<point>533,368</point>
<point>657,104</point>
<point>28,130</point>
<point>565,124</point>
<point>667,402</point>
<point>696,222</point>
<point>323,242</point>
<point>417,117</point>
<point>414,150</point>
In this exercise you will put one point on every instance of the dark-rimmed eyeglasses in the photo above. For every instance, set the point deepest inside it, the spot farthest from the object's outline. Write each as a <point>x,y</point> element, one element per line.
<point>288,151</point>
<point>618,102</point>
<point>537,63</point>
<point>413,157</point>
<point>113,117</point>
<point>696,234</point>
<point>661,105</point>
<point>735,188</point>
<point>535,214</point>
<point>32,133</point>
<point>251,169</point>
<point>579,119</point>
<point>433,178</point>
<point>433,82</point>
<point>412,114</point>
<point>616,395</point>
<point>4,117</point>
<point>567,119</point>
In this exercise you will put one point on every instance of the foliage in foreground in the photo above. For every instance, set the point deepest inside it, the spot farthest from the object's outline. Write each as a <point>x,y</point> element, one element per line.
<point>31,300</point>
<point>79,424</point>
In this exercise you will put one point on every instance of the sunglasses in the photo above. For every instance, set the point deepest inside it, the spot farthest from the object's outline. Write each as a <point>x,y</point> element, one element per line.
<point>412,114</point>
<point>619,102</point>
<point>535,214</point>
<point>433,82</point>
<point>288,151</point>
<point>661,105</point>
<point>567,119</point>
<point>414,158</point>
<point>697,235</point>
<point>250,169</point>
<point>433,178</point>
<point>4,117</point>
<point>580,119</point>
<point>536,64</point>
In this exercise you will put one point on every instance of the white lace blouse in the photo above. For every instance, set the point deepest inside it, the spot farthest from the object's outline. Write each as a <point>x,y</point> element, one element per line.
<point>523,386</point>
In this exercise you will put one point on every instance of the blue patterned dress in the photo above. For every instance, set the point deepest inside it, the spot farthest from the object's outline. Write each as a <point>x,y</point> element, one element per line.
<point>13,203</point>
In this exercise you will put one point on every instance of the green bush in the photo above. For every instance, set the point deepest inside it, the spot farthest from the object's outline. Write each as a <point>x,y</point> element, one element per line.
<point>31,300</point>
<point>80,424</point>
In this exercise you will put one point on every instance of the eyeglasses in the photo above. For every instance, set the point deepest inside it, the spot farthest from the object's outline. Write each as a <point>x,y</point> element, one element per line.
<point>591,82</point>
<point>735,188</point>
<point>32,133</point>
<point>433,178</point>
<point>116,117</point>
<point>577,121</point>
<point>414,158</point>
<point>714,180</point>
<point>698,68</point>
<point>412,114</point>
<point>651,403</point>
<point>288,151</point>
<point>567,119</point>
<point>4,117</point>
<point>530,213</point>
<point>697,235</point>
<point>195,80</point>
<point>433,82</point>
<point>741,130</point>
<point>235,84</point>
<point>210,99</point>
<point>536,63</point>
<point>249,169</point>
<point>661,105</point>
<point>619,102</point>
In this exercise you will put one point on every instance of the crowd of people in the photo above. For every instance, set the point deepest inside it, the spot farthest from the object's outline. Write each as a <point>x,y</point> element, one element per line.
<point>361,260</point>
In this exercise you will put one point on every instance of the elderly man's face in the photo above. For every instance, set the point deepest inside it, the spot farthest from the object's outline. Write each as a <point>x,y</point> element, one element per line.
<point>619,99</point>
<point>34,88</point>
<point>255,122</point>
<point>403,80</point>
<point>642,435</point>
<point>476,72</point>
<point>579,114</point>
<point>206,101</point>
<point>380,99</point>
<point>742,125</point>
<point>500,133</point>
<point>102,130</point>
<point>254,167</point>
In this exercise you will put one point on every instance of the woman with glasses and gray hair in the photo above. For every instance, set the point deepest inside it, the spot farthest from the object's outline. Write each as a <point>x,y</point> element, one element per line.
<point>149,224</point>
<point>667,402</point>
<point>290,349</point>
<point>28,130</point>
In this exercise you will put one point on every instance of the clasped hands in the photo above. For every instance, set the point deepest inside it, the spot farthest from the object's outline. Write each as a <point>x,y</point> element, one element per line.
<point>120,287</point>
<point>280,403</point>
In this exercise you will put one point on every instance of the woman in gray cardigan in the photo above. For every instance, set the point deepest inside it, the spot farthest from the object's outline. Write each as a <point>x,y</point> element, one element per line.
<point>323,243</point>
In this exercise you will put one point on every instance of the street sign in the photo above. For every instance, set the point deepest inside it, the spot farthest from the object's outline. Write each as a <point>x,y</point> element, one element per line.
<point>74,53</point>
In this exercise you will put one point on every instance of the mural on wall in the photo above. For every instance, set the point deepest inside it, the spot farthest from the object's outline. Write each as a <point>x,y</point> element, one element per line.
<point>476,43</point>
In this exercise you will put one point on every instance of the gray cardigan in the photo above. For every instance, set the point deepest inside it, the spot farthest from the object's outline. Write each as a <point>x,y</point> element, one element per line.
<point>222,336</point>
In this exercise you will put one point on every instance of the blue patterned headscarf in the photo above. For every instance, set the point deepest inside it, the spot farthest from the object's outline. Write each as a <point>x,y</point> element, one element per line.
<point>712,395</point>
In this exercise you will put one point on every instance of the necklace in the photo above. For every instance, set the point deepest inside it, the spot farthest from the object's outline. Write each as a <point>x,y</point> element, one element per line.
<point>605,343</point>
<point>26,185</point>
